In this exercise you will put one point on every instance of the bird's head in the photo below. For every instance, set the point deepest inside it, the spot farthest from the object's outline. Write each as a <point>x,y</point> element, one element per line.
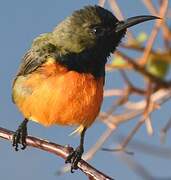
<point>93,27</point>
<point>83,41</point>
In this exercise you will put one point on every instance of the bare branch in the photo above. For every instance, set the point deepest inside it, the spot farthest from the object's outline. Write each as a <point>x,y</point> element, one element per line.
<point>115,8</point>
<point>154,32</point>
<point>165,28</point>
<point>164,131</point>
<point>92,151</point>
<point>58,150</point>
<point>101,3</point>
<point>143,71</point>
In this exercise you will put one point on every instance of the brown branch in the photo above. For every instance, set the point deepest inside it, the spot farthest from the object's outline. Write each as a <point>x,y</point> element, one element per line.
<point>135,109</point>
<point>153,35</point>
<point>145,148</point>
<point>159,97</point>
<point>92,151</point>
<point>136,167</point>
<point>113,92</point>
<point>139,48</point>
<point>101,3</point>
<point>122,146</point>
<point>132,133</point>
<point>140,169</point>
<point>113,121</point>
<point>115,8</point>
<point>58,150</point>
<point>164,27</point>
<point>164,131</point>
<point>143,71</point>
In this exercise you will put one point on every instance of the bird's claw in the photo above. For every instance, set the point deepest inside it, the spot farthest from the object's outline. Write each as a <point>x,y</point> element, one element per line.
<point>74,157</point>
<point>19,137</point>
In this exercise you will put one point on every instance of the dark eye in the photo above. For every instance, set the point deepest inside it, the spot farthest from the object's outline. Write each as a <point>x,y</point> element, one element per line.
<point>98,30</point>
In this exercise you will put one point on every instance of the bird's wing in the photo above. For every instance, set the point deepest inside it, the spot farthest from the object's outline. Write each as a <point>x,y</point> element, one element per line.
<point>35,57</point>
<point>30,62</point>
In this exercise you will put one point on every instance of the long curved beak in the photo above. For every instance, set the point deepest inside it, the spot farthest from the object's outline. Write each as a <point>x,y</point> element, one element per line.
<point>122,25</point>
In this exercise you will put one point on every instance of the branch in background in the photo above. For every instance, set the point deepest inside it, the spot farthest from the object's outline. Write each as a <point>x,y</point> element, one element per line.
<point>132,109</point>
<point>115,8</point>
<point>136,109</point>
<point>152,37</point>
<point>164,27</point>
<point>101,3</point>
<point>156,90</point>
<point>142,70</point>
<point>136,167</point>
<point>135,47</point>
<point>113,92</point>
<point>159,98</point>
<point>164,131</point>
<point>58,150</point>
<point>145,148</point>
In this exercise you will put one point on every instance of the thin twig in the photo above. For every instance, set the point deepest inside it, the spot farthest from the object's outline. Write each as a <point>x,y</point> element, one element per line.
<point>159,97</point>
<point>101,3</point>
<point>115,8</point>
<point>164,131</point>
<point>136,167</point>
<point>137,108</point>
<point>164,27</point>
<point>113,92</point>
<point>145,148</point>
<point>149,108</point>
<point>143,71</point>
<point>153,35</point>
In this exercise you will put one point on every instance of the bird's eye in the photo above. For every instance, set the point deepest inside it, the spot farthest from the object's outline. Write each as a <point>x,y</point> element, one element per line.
<point>97,30</point>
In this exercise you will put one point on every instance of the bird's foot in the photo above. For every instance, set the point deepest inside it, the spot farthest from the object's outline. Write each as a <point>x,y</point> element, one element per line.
<point>74,157</point>
<point>20,135</point>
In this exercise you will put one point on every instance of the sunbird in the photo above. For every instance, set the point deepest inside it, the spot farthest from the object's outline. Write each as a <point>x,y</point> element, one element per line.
<point>61,77</point>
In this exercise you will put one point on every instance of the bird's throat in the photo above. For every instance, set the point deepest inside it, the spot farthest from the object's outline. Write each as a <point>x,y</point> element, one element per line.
<point>89,61</point>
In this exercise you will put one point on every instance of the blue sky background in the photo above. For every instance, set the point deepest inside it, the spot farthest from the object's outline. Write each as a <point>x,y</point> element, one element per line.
<point>21,21</point>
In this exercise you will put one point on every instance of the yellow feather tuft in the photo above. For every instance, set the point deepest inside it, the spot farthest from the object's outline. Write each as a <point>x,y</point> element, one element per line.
<point>77,131</point>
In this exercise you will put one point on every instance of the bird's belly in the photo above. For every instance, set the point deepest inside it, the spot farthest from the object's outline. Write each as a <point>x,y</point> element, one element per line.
<point>66,99</point>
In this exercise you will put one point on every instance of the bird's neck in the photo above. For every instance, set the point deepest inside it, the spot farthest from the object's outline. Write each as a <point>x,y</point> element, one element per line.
<point>88,61</point>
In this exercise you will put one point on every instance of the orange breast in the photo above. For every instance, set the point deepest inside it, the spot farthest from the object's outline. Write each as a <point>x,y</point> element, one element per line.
<point>53,95</point>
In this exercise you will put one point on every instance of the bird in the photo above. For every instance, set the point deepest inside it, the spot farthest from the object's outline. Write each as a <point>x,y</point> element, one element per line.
<point>61,77</point>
